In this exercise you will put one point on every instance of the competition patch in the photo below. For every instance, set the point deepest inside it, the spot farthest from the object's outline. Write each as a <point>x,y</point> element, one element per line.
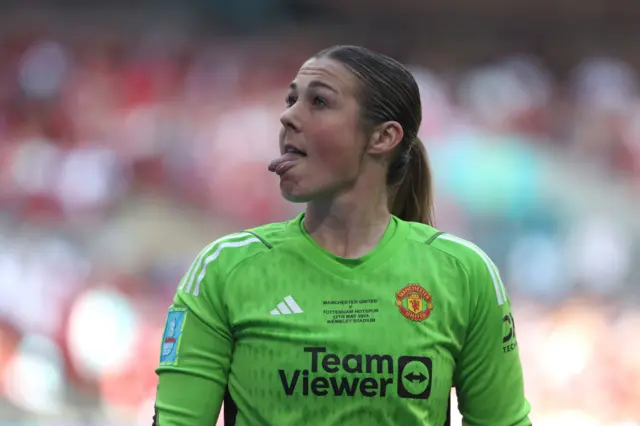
<point>172,336</point>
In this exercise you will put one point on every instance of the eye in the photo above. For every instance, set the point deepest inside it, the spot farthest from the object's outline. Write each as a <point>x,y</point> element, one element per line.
<point>290,100</point>
<point>319,102</point>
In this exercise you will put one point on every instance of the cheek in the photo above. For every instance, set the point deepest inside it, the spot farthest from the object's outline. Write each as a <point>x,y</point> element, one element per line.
<point>336,149</point>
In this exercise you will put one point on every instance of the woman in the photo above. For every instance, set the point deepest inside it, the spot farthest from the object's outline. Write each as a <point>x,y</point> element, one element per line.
<point>357,312</point>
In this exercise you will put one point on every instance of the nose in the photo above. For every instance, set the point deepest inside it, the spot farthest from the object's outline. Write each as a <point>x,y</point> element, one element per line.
<point>290,118</point>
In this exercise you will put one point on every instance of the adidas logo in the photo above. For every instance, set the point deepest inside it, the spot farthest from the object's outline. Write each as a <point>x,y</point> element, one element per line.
<point>288,306</point>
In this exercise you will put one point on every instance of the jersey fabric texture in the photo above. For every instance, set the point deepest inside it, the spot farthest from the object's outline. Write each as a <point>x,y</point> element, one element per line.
<point>287,333</point>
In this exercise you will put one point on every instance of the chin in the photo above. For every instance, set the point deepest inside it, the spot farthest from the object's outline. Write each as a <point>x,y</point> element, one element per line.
<point>294,197</point>
<point>293,194</point>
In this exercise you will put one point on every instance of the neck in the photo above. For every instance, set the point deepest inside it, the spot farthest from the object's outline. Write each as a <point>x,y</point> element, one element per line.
<point>351,224</point>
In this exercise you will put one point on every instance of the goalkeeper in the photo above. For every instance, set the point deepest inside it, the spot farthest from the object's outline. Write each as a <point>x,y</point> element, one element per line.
<point>357,312</point>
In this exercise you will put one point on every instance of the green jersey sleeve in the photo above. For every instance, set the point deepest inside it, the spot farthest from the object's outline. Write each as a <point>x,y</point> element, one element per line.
<point>197,342</point>
<point>488,376</point>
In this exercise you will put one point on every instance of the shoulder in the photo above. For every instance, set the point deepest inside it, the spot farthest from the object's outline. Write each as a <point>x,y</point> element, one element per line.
<point>419,232</point>
<point>275,234</point>
<point>472,261</point>
<point>476,263</point>
<point>233,249</point>
<point>464,252</point>
<point>218,258</point>
<point>230,250</point>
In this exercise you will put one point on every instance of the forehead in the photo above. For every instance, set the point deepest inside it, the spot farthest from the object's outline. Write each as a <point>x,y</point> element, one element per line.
<point>327,71</point>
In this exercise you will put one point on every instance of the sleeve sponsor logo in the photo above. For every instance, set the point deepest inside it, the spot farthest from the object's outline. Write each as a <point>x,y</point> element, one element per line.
<point>359,375</point>
<point>509,341</point>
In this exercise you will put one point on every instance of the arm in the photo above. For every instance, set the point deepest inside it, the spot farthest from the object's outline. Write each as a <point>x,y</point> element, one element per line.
<point>488,378</point>
<point>195,353</point>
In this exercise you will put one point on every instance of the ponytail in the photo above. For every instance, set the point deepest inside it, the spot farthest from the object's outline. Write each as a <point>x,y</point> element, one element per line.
<point>412,197</point>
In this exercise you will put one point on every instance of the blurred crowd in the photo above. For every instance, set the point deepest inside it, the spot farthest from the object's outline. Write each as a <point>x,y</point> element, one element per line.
<point>121,158</point>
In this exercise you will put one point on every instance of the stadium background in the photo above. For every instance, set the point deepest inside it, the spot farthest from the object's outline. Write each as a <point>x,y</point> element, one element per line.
<point>133,133</point>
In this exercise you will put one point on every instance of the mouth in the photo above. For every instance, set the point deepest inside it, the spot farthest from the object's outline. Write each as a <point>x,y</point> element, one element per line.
<point>290,149</point>
<point>290,155</point>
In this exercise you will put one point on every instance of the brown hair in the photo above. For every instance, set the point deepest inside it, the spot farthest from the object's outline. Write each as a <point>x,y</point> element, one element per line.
<point>388,92</point>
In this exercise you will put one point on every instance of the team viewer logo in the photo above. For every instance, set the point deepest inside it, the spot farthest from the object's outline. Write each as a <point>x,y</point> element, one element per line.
<point>359,375</point>
<point>415,377</point>
<point>414,302</point>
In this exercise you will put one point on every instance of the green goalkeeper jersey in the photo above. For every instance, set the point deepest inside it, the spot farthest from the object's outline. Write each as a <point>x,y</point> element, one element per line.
<point>287,333</point>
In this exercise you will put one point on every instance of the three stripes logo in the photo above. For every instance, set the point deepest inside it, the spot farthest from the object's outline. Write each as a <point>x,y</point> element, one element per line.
<point>287,307</point>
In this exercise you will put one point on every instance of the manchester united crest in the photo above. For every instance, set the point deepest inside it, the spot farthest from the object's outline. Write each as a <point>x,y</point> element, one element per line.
<point>414,302</point>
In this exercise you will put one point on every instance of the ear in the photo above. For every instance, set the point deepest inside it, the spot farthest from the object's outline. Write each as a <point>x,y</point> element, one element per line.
<point>385,138</point>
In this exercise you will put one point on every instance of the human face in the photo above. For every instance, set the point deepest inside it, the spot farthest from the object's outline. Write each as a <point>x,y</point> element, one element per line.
<point>321,140</point>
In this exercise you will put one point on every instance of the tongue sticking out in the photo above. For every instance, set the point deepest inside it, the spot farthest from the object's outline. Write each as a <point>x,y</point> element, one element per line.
<point>283,163</point>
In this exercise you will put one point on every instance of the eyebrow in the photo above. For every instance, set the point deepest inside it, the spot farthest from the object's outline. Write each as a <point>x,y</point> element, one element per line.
<point>314,84</point>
